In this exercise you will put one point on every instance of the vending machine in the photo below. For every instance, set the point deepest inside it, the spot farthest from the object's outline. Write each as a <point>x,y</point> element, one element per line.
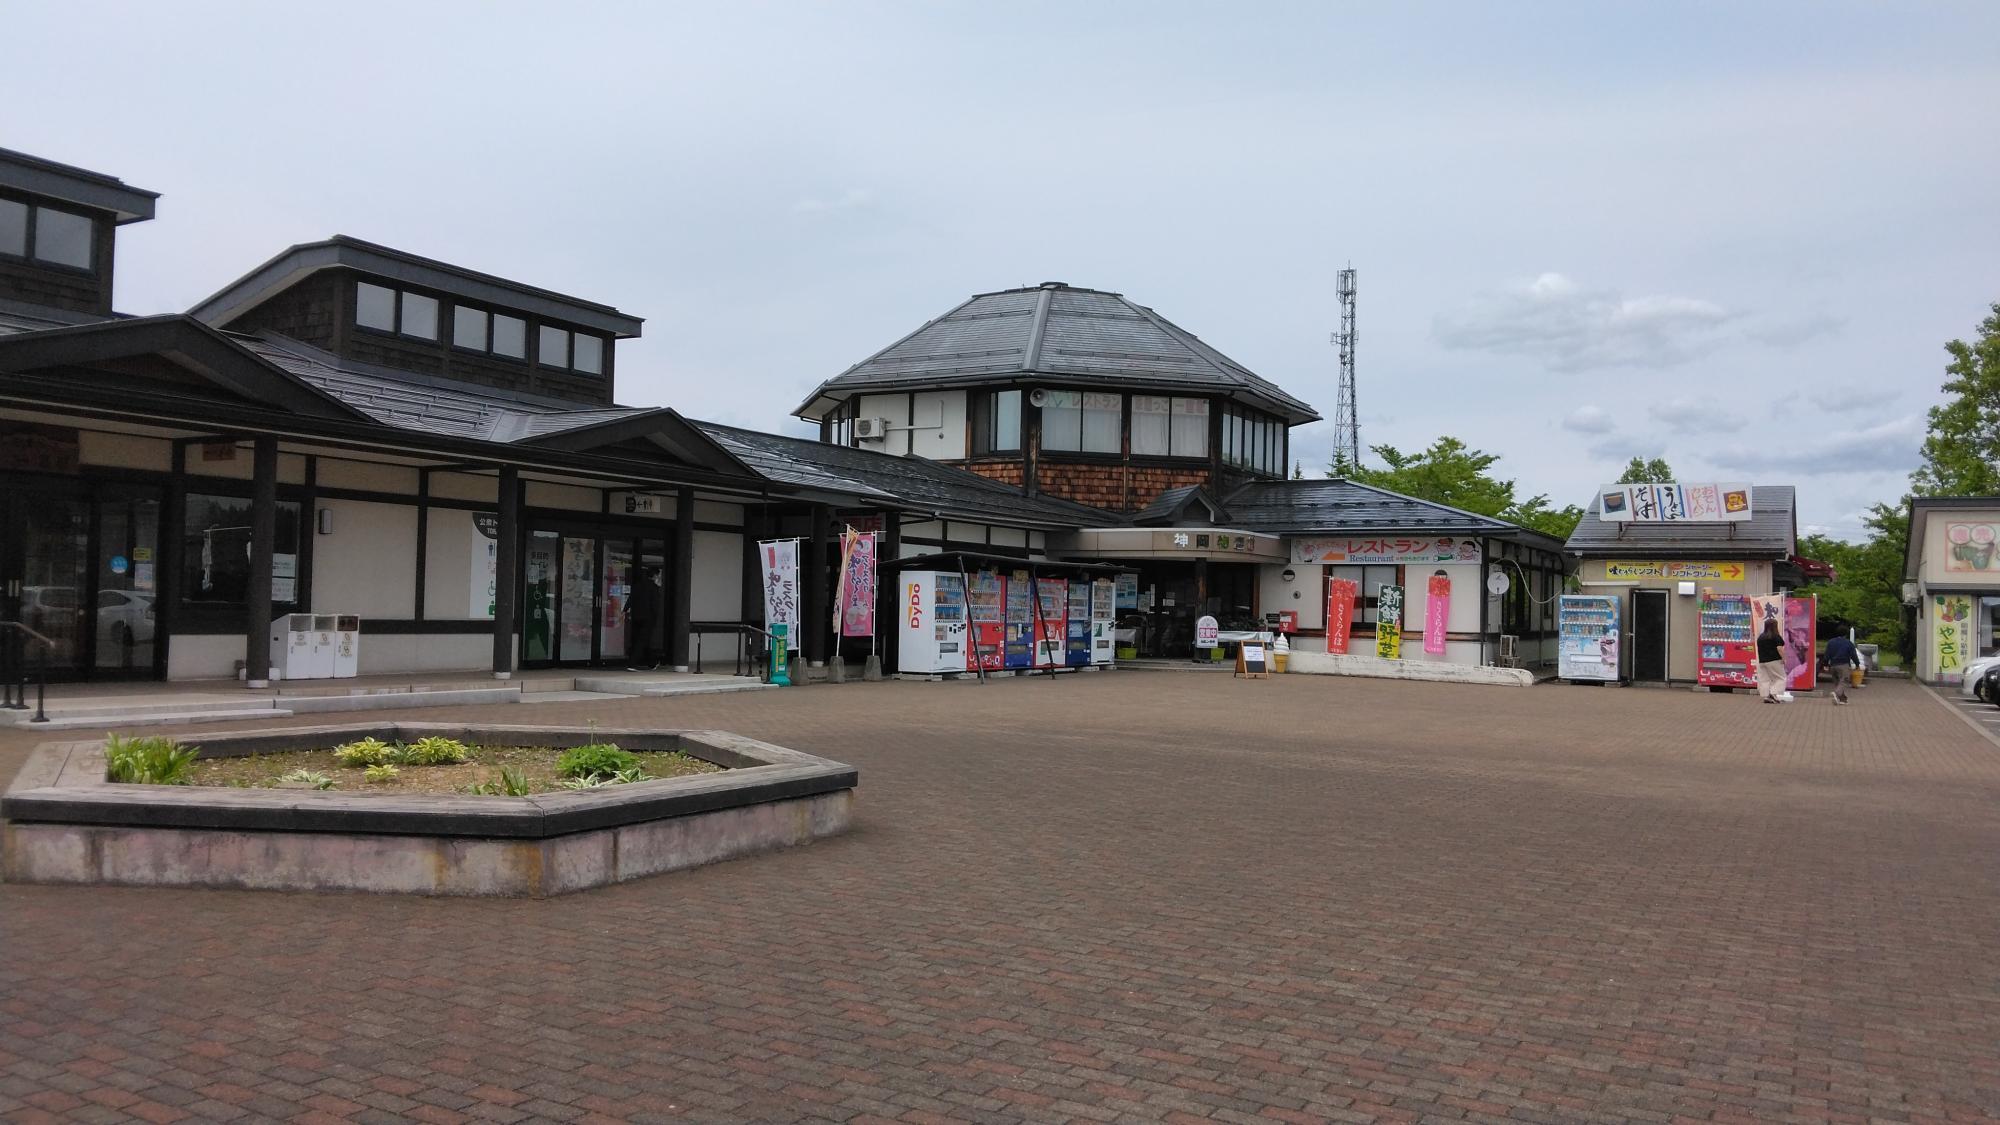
<point>1726,642</point>
<point>986,605</point>
<point>1019,627</point>
<point>1050,615</point>
<point>1079,623</point>
<point>933,623</point>
<point>1103,620</point>
<point>1588,626</point>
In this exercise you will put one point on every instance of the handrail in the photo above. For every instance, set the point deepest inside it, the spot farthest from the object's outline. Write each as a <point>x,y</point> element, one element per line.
<point>743,631</point>
<point>14,680</point>
<point>19,627</point>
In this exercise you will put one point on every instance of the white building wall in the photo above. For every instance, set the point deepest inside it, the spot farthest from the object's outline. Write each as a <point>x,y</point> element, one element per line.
<point>203,657</point>
<point>1305,594</point>
<point>368,565</point>
<point>716,591</point>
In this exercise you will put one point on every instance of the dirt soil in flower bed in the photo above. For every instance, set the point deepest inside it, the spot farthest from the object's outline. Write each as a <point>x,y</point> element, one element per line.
<point>536,763</point>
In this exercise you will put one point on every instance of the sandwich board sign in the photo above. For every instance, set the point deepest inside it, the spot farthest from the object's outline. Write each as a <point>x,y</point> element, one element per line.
<point>1252,659</point>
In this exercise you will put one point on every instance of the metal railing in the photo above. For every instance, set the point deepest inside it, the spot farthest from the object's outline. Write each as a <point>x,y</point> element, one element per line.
<point>15,639</point>
<point>752,657</point>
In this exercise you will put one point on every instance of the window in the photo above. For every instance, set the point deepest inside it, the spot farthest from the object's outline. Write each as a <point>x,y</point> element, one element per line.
<point>996,422</point>
<point>374,306</point>
<point>510,336</point>
<point>1253,441</point>
<point>13,228</point>
<point>1190,427</point>
<point>589,357</point>
<point>840,424</point>
<point>1368,582</point>
<point>1103,420</point>
<point>62,238</point>
<point>1062,420</point>
<point>553,347</point>
<point>1150,414</point>
<point>420,316</point>
<point>468,328</point>
<point>215,552</point>
<point>1176,427</point>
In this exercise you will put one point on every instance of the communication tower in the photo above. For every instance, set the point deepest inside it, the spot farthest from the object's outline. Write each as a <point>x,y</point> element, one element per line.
<point>1346,423</point>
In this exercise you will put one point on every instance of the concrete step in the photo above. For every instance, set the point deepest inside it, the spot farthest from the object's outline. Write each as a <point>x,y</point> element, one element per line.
<point>114,707</point>
<point>398,700</point>
<point>652,689</point>
<point>129,722</point>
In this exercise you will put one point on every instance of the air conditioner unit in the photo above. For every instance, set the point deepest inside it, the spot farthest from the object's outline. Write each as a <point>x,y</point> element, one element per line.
<point>1038,397</point>
<point>871,429</point>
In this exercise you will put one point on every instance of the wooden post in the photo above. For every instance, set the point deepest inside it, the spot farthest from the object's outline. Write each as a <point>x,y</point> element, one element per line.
<point>263,545</point>
<point>506,572</point>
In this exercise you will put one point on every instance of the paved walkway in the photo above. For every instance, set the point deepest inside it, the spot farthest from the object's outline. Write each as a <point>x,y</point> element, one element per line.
<point>1130,897</point>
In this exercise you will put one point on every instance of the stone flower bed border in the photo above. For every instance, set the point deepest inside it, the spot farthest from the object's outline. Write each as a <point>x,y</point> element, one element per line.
<point>67,824</point>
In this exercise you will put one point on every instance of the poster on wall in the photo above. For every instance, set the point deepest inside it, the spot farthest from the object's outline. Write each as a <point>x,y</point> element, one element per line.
<point>1127,586</point>
<point>1384,551</point>
<point>1971,547</point>
<point>1626,569</point>
<point>485,563</point>
<point>1951,635</point>
<point>1437,612</point>
<point>1340,595</point>
<point>779,559</point>
<point>1389,623</point>
<point>1800,656</point>
<point>854,614</point>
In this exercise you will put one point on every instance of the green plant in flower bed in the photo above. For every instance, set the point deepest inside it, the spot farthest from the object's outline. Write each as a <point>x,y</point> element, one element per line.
<point>597,760</point>
<point>308,777</point>
<point>383,772</point>
<point>149,761</point>
<point>512,783</point>
<point>621,777</point>
<point>435,750</point>
<point>364,752</point>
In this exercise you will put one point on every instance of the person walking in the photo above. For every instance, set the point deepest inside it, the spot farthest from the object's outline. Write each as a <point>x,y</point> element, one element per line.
<point>1840,658</point>
<point>1770,662</point>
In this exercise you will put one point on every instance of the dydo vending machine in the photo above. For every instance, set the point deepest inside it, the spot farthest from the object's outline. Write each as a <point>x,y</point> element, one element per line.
<point>933,623</point>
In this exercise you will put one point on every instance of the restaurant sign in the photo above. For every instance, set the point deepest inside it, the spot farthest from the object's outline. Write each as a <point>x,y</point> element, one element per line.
<point>1673,503</point>
<point>1385,550</point>
<point>1719,571</point>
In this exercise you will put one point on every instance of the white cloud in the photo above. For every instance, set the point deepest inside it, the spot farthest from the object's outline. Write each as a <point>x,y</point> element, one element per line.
<point>1854,398</point>
<point>1623,447</point>
<point>1589,420</point>
<point>1689,416</point>
<point>849,200</point>
<point>1888,447</point>
<point>1568,327</point>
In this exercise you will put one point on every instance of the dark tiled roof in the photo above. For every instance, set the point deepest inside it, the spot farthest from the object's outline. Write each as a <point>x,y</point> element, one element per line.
<point>1770,532</point>
<point>96,190</point>
<point>1315,507</point>
<point>1064,333</point>
<point>1168,505</point>
<point>907,483</point>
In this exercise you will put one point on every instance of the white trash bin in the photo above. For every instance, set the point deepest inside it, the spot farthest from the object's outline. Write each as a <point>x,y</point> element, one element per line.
<point>291,646</point>
<point>346,646</point>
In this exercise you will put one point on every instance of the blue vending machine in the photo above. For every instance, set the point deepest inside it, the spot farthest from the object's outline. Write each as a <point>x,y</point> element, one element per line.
<point>1079,623</point>
<point>1019,626</point>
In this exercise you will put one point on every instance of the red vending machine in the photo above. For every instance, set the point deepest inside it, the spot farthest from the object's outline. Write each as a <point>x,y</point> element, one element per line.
<point>1051,618</point>
<point>1726,642</point>
<point>987,646</point>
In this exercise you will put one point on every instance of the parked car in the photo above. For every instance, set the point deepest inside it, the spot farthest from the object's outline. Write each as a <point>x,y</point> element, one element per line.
<point>124,618</point>
<point>1987,686</point>
<point>1973,685</point>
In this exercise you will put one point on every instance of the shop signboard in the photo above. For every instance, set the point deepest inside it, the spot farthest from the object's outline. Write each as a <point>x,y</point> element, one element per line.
<point>1971,547</point>
<point>1340,595</point>
<point>1207,634</point>
<point>1437,612</point>
<point>1389,623</point>
<point>1951,635</point>
<point>1673,503</point>
<point>780,561</point>
<point>1625,570</point>
<point>1385,550</point>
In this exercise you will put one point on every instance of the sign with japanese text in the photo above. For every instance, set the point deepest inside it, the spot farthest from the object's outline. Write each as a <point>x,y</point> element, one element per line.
<point>1673,503</point>
<point>854,611</point>
<point>1340,595</point>
<point>1437,612</point>
<point>1385,549</point>
<point>1951,635</point>
<point>780,561</point>
<point>1971,546</point>
<point>1128,591</point>
<point>1663,568</point>
<point>1389,623</point>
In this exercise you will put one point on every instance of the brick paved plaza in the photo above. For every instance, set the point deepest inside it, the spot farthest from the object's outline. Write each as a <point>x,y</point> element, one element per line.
<point>1132,897</point>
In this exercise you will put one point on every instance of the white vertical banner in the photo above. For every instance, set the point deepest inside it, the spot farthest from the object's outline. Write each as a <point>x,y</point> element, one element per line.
<point>780,561</point>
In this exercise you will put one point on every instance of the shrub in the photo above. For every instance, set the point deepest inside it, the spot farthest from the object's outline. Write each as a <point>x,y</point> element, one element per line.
<point>149,761</point>
<point>512,783</point>
<point>308,777</point>
<point>597,760</point>
<point>366,752</point>
<point>435,751</point>
<point>621,777</point>
<point>384,772</point>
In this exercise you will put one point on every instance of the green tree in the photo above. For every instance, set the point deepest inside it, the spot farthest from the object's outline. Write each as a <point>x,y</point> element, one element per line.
<point>1646,471</point>
<point>1451,472</point>
<point>1962,448</point>
<point>1867,590</point>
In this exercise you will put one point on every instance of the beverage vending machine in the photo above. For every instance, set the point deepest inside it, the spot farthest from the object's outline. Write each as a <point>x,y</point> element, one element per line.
<point>986,605</point>
<point>1050,615</point>
<point>1079,623</point>
<point>1103,620</point>
<point>1588,626</point>
<point>933,623</point>
<point>1725,641</point>
<point>1019,626</point>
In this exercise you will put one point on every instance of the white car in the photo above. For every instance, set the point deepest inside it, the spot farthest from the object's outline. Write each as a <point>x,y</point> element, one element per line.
<point>1972,686</point>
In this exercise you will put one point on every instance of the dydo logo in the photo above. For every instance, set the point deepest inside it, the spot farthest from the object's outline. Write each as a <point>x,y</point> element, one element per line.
<point>916,605</point>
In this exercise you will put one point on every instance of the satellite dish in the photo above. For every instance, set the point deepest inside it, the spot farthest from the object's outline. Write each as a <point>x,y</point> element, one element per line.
<point>1497,582</point>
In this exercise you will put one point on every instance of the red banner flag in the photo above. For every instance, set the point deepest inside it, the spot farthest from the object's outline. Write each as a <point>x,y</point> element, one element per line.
<point>1340,594</point>
<point>1437,613</point>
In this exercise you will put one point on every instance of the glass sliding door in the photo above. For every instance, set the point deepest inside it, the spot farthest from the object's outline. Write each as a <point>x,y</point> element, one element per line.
<point>52,548</point>
<point>616,597</point>
<point>128,530</point>
<point>79,565</point>
<point>576,617</point>
<point>538,573</point>
<point>594,594</point>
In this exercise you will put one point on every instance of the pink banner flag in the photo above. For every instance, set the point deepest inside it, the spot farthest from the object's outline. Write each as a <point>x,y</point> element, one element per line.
<point>1437,613</point>
<point>857,587</point>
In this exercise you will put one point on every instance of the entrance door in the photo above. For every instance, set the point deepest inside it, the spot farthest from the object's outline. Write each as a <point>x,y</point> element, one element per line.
<point>593,598</point>
<point>80,569</point>
<point>1649,636</point>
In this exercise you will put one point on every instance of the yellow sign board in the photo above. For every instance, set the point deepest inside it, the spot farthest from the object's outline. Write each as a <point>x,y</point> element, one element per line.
<point>1714,571</point>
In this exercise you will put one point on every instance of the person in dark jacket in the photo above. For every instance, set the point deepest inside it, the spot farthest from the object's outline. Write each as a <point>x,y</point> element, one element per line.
<point>1840,658</point>
<point>1771,662</point>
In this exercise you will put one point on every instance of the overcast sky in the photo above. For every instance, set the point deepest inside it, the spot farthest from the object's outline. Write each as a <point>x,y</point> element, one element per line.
<point>1736,235</point>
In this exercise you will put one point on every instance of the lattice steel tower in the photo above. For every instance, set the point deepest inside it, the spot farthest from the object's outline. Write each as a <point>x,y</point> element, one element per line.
<point>1346,423</point>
